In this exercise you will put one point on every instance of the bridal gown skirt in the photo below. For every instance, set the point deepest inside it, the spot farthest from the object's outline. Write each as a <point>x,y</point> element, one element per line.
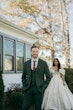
<point>57,96</point>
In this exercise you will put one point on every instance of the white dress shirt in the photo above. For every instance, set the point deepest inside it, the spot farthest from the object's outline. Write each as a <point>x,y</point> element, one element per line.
<point>36,63</point>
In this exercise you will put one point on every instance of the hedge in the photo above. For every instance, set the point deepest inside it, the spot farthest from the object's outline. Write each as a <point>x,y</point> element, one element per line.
<point>1,92</point>
<point>69,78</point>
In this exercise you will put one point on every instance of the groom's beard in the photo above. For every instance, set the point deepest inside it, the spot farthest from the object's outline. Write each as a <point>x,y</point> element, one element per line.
<point>35,56</point>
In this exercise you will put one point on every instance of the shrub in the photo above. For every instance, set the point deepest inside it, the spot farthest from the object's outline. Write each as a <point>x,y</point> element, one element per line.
<point>69,78</point>
<point>1,92</point>
<point>15,100</point>
<point>14,97</point>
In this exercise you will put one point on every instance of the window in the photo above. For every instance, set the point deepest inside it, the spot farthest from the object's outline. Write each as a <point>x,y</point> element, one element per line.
<point>19,56</point>
<point>28,52</point>
<point>0,53</point>
<point>14,54</point>
<point>8,55</point>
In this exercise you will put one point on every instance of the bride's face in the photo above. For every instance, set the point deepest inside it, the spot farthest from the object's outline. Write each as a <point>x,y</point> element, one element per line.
<point>56,62</point>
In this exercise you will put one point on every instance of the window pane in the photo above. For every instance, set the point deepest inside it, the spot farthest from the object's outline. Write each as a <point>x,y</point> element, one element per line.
<point>9,61</point>
<point>19,64</point>
<point>28,52</point>
<point>9,47</point>
<point>9,55</point>
<point>19,54</point>
<point>19,49</point>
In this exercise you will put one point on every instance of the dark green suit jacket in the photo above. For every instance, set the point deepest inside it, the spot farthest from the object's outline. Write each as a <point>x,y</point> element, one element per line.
<point>41,70</point>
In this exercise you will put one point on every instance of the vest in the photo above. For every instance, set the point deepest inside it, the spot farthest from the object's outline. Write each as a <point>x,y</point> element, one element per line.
<point>33,78</point>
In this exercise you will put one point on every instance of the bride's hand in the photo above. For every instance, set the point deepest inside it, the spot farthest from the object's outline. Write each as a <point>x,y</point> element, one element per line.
<point>63,78</point>
<point>64,83</point>
<point>61,75</point>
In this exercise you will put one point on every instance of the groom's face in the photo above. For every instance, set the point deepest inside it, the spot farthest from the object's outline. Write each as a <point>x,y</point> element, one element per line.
<point>34,52</point>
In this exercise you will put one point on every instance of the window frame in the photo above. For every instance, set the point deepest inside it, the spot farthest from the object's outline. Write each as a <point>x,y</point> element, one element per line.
<point>3,36</point>
<point>8,71</point>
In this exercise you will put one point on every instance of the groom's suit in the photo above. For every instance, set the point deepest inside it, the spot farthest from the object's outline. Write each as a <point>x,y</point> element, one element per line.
<point>34,83</point>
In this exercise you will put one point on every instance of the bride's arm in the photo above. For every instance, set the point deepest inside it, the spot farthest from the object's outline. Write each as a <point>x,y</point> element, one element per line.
<point>52,71</point>
<point>62,76</point>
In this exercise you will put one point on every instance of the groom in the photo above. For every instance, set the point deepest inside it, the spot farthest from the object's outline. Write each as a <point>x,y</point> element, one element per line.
<point>33,80</point>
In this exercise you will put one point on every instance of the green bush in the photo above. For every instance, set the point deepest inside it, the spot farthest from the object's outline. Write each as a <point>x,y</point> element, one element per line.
<point>1,92</point>
<point>13,98</point>
<point>69,78</point>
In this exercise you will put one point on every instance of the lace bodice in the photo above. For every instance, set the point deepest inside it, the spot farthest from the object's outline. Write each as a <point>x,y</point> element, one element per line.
<point>53,72</point>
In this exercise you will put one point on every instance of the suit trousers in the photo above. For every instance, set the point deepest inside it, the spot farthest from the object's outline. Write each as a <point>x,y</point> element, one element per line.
<point>32,95</point>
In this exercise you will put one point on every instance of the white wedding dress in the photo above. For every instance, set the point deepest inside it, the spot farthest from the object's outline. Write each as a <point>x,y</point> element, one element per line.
<point>57,96</point>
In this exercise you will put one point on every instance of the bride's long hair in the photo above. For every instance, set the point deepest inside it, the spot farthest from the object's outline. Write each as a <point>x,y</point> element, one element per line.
<point>59,65</point>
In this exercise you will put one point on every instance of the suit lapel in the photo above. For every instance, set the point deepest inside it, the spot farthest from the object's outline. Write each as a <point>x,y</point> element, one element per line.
<point>29,66</point>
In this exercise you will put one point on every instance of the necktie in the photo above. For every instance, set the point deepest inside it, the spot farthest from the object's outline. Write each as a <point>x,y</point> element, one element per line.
<point>34,65</point>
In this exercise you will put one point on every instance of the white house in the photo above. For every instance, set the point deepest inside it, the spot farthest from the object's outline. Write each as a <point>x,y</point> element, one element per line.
<point>15,48</point>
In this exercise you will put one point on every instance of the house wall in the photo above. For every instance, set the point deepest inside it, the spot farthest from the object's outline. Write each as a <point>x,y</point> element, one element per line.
<point>10,31</point>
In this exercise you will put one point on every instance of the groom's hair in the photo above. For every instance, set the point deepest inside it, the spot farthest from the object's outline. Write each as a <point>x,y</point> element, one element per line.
<point>34,46</point>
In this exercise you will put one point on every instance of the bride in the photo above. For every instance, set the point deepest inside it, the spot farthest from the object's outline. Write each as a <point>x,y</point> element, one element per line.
<point>57,96</point>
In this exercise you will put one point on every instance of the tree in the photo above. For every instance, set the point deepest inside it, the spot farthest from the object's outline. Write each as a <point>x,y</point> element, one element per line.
<point>46,19</point>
